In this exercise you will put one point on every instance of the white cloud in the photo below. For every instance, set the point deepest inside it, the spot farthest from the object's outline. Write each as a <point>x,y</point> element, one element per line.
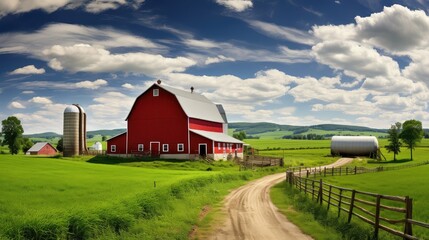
<point>16,105</point>
<point>69,34</point>
<point>93,6</point>
<point>87,58</point>
<point>236,5</point>
<point>29,69</point>
<point>218,59</point>
<point>41,100</point>
<point>355,59</point>
<point>64,85</point>
<point>28,92</point>
<point>127,86</point>
<point>282,32</point>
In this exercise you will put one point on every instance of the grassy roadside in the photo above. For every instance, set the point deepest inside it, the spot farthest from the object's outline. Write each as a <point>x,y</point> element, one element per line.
<point>313,219</point>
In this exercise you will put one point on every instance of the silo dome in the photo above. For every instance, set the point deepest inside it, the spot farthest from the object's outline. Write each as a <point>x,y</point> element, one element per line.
<point>74,135</point>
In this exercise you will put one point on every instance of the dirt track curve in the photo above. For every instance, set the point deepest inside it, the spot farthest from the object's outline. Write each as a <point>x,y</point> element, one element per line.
<point>252,215</point>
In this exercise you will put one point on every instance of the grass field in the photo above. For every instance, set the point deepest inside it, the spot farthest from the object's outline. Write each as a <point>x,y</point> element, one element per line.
<point>49,198</point>
<point>407,182</point>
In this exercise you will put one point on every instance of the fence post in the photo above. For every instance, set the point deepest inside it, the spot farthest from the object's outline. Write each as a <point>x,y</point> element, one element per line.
<point>320,191</point>
<point>408,215</point>
<point>377,217</point>
<point>339,201</point>
<point>308,173</point>
<point>324,172</point>
<point>355,170</point>
<point>289,177</point>
<point>352,203</point>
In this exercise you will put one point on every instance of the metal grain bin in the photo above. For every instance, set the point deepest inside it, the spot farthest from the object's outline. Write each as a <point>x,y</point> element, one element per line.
<point>74,131</point>
<point>354,145</point>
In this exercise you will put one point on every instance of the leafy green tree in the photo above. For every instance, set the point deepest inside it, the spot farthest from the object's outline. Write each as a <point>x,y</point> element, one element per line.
<point>26,144</point>
<point>412,133</point>
<point>239,135</point>
<point>12,130</point>
<point>394,141</point>
<point>103,138</point>
<point>60,145</point>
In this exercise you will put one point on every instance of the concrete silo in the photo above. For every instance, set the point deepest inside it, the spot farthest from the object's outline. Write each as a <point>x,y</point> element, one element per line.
<point>74,136</point>
<point>354,145</point>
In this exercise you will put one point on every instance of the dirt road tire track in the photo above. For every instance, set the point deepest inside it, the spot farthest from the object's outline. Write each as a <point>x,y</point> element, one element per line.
<point>252,215</point>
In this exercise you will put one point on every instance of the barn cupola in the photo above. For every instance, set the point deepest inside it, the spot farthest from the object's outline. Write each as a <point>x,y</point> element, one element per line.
<point>159,82</point>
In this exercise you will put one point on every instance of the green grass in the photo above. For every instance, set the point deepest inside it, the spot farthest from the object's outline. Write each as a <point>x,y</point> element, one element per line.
<point>302,157</point>
<point>406,182</point>
<point>287,143</point>
<point>313,219</point>
<point>49,198</point>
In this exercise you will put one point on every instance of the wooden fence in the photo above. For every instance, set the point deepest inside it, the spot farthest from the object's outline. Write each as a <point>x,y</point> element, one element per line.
<point>251,161</point>
<point>339,171</point>
<point>388,213</point>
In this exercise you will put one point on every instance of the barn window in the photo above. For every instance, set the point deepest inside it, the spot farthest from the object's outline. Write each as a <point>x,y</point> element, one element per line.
<point>140,147</point>
<point>165,147</point>
<point>156,92</point>
<point>218,146</point>
<point>224,146</point>
<point>112,148</point>
<point>180,147</point>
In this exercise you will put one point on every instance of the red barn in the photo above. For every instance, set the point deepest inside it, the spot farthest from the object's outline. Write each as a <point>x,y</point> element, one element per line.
<point>170,123</point>
<point>42,148</point>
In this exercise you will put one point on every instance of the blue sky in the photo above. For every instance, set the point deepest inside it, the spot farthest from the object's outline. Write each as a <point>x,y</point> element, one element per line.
<point>296,62</point>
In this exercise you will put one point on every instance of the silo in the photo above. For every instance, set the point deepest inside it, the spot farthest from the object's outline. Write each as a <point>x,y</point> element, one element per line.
<point>74,135</point>
<point>354,145</point>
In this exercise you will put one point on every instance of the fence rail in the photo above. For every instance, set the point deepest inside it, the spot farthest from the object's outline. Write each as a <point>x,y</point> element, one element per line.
<point>339,171</point>
<point>393,214</point>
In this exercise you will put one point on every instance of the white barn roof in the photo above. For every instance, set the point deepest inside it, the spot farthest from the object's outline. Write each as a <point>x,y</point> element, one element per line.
<point>218,137</point>
<point>193,104</point>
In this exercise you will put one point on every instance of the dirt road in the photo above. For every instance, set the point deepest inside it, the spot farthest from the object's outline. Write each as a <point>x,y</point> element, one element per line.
<point>252,215</point>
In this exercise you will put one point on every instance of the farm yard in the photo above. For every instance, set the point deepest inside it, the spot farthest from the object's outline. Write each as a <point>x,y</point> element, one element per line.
<point>99,197</point>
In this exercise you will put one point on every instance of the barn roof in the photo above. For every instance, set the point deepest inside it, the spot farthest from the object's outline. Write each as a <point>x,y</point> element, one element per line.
<point>38,146</point>
<point>193,104</point>
<point>219,137</point>
<point>116,136</point>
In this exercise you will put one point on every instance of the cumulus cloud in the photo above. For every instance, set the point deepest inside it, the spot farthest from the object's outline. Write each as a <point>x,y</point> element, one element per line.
<point>218,59</point>
<point>93,6</point>
<point>236,5</point>
<point>40,100</point>
<point>87,58</point>
<point>127,86</point>
<point>16,105</point>
<point>282,32</point>
<point>29,69</point>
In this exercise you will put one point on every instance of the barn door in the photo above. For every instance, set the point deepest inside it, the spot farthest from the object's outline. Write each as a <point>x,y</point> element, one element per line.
<point>202,149</point>
<point>155,148</point>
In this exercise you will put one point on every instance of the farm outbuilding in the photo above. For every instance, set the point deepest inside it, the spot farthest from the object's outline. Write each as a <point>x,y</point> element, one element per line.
<point>354,145</point>
<point>167,122</point>
<point>74,131</point>
<point>42,148</point>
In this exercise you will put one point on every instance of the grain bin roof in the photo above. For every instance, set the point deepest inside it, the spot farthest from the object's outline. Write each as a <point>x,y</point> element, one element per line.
<point>71,108</point>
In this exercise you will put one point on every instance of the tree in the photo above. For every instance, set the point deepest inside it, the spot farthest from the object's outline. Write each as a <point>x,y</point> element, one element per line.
<point>412,133</point>
<point>103,138</point>
<point>26,144</point>
<point>12,130</point>
<point>240,135</point>
<point>60,145</point>
<point>393,138</point>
